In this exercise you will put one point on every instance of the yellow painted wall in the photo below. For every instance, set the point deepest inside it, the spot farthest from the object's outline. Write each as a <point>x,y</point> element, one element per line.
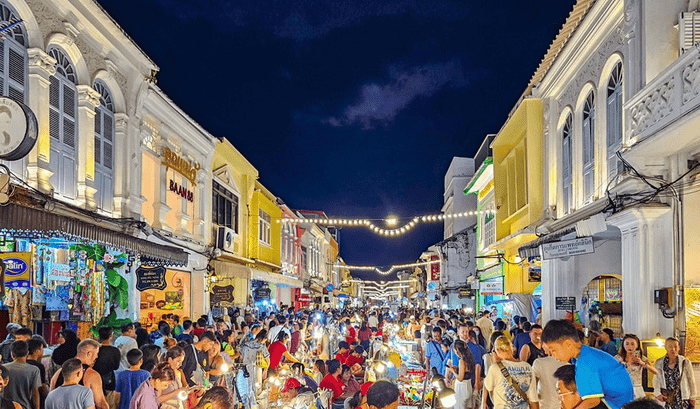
<point>263,199</point>
<point>244,176</point>
<point>521,133</point>
<point>519,140</point>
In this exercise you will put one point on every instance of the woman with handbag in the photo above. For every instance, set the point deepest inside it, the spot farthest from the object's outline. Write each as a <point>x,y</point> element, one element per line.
<point>462,375</point>
<point>630,355</point>
<point>675,383</point>
<point>510,383</point>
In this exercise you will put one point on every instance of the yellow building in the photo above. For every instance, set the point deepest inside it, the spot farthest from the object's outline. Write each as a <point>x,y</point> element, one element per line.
<point>264,230</point>
<point>519,191</point>
<point>233,186</point>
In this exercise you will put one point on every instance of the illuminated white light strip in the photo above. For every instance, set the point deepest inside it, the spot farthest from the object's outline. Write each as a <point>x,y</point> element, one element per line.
<point>385,232</point>
<point>390,270</point>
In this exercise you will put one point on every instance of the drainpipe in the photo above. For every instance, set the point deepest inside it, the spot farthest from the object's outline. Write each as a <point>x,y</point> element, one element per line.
<point>678,262</point>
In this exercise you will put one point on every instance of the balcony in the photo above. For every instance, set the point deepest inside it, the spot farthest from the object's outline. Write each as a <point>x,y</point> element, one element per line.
<point>663,103</point>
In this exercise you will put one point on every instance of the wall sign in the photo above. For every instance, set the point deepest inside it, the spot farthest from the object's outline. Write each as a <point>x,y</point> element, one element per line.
<point>221,294</point>
<point>150,278</point>
<point>180,165</point>
<point>557,249</point>
<point>262,293</point>
<point>565,303</point>
<point>181,191</point>
<point>18,129</point>
<point>17,271</point>
<point>493,286</point>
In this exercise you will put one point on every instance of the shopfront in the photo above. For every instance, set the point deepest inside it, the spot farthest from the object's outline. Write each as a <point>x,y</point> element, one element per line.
<point>491,286</point>
<point>164,292</point>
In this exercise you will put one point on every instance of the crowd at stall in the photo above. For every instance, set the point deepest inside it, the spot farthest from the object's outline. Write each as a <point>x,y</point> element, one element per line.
<point>355,358</point>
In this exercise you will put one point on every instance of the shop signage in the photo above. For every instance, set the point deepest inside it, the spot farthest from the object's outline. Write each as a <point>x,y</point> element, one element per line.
<point>181,191</point>
<point>180,165</point>
<point>432,285</point>
<point>222,294</point>
<point>330,287</point>
<point>17,271</point>
<point>60,272</point>
<point>493,286</point>
<point>565,303</point>
<point>262,292</point>
<point>566,248</point>
<point>18,129</point>
<point>150,278</point>
<point>434,269</point>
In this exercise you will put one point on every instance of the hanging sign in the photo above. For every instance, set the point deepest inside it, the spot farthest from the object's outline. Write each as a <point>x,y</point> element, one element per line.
<point>434,269</point>
<point>18,129</point>
<point>17,271</point>
<point>493,286</point>
<point>557,249</point>
<point>330,287</point>
<point>150,278</point>
<point>221,294</point>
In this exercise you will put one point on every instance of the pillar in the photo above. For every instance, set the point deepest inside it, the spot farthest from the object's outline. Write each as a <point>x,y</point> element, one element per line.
<point>647,265</point>
<point>160,206</point>
<point>41,68</point>
<point>88,100</point>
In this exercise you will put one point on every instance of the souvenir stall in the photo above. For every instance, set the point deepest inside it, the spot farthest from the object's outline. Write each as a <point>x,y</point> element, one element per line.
<point>55,282</point>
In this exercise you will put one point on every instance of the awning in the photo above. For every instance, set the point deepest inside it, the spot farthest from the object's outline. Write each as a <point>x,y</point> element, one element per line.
<point>231,270</point>
<point>532,249</point>
<point>20,221</point>
<point>275,278</point>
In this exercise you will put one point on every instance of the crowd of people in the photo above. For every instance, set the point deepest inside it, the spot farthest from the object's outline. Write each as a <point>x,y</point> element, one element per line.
<point>312,358</point>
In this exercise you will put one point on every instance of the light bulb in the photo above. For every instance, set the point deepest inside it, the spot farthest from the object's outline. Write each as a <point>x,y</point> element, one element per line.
<point>182,395</point>
<point>224,368</point>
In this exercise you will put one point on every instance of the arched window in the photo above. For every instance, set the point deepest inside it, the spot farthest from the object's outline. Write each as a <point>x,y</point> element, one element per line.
<point>566,163</point>
<point>104,148</point>
<point>614,119</point>
<point>63,108</point>
<point>588,134</point>
<point>13,56</point>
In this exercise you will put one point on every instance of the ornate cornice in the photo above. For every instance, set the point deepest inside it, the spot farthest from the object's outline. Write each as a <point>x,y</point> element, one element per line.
<point>87,96</point>
<point>40,60</point>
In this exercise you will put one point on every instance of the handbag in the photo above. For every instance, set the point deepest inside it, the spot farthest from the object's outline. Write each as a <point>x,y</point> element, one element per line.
<point>512,382</point>
<point>261,361</point>
<point>672,395</point>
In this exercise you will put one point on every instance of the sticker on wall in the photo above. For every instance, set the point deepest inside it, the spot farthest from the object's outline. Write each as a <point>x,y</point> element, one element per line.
<point>17,271</point>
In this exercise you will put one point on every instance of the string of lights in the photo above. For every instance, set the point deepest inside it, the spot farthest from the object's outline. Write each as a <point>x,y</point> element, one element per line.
<point>388,271</point>
<point>391,221</point>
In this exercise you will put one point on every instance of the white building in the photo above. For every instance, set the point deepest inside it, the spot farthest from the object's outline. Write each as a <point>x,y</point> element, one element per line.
<point>457,176</point>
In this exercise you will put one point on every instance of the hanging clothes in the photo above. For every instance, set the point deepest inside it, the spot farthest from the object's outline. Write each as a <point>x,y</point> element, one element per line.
<point>19,303</point>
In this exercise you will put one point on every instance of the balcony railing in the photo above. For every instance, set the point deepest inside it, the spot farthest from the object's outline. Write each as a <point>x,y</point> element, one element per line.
<point>667,98</point>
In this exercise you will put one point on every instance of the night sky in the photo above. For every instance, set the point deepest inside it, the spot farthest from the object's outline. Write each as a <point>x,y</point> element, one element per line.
<point>353,107</point>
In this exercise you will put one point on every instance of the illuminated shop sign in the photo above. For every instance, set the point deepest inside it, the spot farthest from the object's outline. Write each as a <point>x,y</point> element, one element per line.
<point>181,191</point>
<point>180,165</point>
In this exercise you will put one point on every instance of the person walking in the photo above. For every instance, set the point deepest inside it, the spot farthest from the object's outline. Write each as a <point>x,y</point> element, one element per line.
<point>544,368</point>
<point>108,359</point>
<point>675,383</point>
<point>125,343</point>
<point>534,348</point>
<point>87,354</point>
<point>71,395</point>
<point>463,374</point>
<point>25,378</point>
<point>510,383</point>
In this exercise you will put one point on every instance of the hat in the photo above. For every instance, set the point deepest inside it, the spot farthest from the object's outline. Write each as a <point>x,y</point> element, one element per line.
<point>291,383</point>
<point>365,387</point>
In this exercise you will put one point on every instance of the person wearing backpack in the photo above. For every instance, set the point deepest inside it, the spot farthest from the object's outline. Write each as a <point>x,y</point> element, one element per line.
<point>510,383</point>
<point>434,356</point>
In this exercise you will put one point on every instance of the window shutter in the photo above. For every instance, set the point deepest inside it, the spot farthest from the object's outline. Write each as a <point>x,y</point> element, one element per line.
<point>54,93</point>
<point>68,101</point>
<point>108,153</point>
<point>689,30</point>
<point>98,120</point>
<point>98,150</point>
<point>67,170</point>
<point>108,128</point>
<point>107,193</point>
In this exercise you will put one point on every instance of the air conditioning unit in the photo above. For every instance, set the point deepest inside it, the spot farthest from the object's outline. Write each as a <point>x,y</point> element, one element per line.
<point>225,239</point>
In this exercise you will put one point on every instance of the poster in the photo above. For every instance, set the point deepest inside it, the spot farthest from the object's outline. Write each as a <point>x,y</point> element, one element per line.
<point>174,298</point>
<point>17,269</point>
<point>692,322</point>
<point>60,272</point>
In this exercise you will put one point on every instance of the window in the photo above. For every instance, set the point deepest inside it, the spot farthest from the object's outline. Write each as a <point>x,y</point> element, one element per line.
<point>63,106</point>
<point>566,163</point>
<point>614,120</point>
<point>224,207</point>
<point>264,227</point>
<point>305,259</point>
<point>13,56</point>
<point>515,165</point>
<point>588,147</point>
<point>488,235</point>
<point>104,148</point>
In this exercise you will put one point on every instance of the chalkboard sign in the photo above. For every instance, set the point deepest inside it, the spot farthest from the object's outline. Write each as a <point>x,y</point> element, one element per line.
<point>263,292</point>
<point>221,294</point>
<point>565,303</point>
<point>150,278</point>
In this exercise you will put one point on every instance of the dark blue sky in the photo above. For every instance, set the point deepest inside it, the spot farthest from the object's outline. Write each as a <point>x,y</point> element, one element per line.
<point>354,107</point>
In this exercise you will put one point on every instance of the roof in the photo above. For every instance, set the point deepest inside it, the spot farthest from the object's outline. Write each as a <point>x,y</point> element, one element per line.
<point>572,22</point>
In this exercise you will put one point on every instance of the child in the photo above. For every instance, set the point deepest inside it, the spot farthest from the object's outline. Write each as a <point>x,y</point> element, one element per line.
<point>146,396</point>
<point>128,381</point>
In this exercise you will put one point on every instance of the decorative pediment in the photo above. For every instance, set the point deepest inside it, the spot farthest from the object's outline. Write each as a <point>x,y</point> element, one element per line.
<point>225,175</point>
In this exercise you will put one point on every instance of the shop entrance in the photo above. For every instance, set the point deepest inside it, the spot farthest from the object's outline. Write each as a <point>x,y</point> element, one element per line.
<point>601,301</point>
<point>159,305</point>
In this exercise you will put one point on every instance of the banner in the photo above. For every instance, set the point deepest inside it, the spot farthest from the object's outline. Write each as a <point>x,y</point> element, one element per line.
<point>493,286</point>
<point>60,272</point>
<point>434,269</point>
<point>17,269</point>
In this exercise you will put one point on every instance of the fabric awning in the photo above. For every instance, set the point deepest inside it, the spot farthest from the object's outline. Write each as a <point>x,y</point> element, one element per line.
<point>276,278</point>
<point>231,270</point>
<point>20,221</point>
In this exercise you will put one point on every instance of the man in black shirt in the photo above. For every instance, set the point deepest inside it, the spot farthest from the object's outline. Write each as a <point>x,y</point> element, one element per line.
<point>196,354</point>
<point>108,359</point>
<point>36,346</point>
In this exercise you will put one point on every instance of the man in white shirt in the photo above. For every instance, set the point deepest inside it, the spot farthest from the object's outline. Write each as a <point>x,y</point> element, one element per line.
<point>486,326</point>
<point>274,331</point>
<point>126,342</point>
<point>544,369</point>
<point>373,321</point>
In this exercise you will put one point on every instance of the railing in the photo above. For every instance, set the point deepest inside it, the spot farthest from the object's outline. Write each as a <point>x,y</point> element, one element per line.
<point>670,96</point>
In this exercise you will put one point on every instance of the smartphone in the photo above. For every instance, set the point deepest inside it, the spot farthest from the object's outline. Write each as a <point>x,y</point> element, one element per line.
<point>636,354</point>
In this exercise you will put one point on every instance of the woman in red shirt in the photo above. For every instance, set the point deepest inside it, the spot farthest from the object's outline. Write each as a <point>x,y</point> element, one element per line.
<point>278,349</point>
<point>332,380</point>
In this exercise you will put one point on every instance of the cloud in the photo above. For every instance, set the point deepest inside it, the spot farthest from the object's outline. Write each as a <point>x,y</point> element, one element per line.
<point>379,104</point>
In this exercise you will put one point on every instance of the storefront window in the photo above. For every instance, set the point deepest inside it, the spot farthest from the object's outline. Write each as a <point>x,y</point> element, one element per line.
<point>174,299</point>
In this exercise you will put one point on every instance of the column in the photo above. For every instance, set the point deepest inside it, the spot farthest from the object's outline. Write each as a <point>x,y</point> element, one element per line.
<point>557,281</point>
<point>41,68</point>
<point>88,100</point>
<point>647,265</point>
<point>122,166</point>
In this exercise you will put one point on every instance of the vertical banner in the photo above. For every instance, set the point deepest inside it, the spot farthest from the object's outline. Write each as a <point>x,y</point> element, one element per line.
<point>434,269</point>
<point>692,323</point>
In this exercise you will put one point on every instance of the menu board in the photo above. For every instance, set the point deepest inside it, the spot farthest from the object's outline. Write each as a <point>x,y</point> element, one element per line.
<point>150,278</point>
